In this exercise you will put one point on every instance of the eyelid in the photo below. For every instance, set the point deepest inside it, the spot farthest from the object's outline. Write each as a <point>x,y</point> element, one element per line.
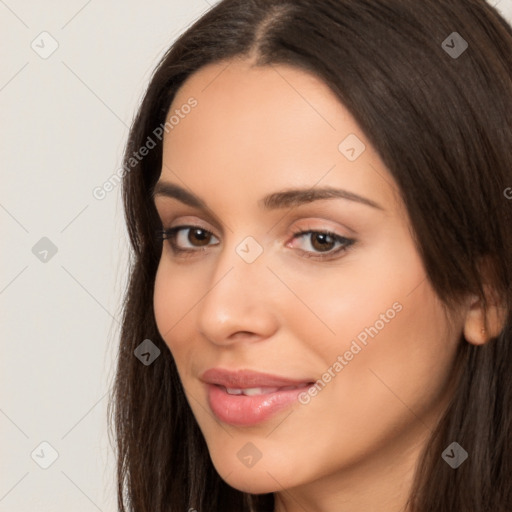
<point>173,207</point>
<point>324,226</point>
<point>191,221</point>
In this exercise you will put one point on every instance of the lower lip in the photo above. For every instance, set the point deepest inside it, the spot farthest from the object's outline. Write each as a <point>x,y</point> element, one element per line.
<point>241,410</point>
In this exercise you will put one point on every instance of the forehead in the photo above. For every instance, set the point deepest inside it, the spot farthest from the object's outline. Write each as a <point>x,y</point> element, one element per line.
<point>275,126</point>
<point>264,100</point>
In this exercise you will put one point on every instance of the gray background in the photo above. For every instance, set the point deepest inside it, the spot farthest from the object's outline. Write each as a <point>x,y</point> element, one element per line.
<point>65,118</point>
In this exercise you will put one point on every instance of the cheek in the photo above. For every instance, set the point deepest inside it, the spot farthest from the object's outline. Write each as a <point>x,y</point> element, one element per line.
<point>398,351</point>
<point>382,317</point>
<point>173,299</point>
<point>387,385</point>
<point>362,295</point>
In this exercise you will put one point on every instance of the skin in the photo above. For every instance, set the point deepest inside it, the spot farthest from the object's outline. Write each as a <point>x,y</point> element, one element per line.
<point>354,446</point>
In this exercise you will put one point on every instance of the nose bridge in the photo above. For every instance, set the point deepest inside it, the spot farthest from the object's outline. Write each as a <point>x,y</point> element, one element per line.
<point>242,260</point>
<point>236,299</point>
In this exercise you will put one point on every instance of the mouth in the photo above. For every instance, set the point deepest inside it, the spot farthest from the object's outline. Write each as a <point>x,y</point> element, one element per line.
<point>256,391</point>
<point>247,398</point>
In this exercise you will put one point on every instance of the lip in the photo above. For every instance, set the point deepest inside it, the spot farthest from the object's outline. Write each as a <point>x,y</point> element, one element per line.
<point>242,410</point>
<point>248,379</point>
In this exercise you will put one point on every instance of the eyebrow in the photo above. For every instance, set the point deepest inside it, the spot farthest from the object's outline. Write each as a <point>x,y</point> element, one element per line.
<point>282,199</point>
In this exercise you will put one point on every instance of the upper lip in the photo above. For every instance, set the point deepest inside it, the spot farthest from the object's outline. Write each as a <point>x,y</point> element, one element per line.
<point>242,379</point>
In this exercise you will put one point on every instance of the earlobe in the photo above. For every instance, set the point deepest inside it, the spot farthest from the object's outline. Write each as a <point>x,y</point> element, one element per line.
<point>481,326</point>
<point>474,323</point>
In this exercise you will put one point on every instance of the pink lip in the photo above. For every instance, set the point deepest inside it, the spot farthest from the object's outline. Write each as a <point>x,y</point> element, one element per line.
<point>241,410</point>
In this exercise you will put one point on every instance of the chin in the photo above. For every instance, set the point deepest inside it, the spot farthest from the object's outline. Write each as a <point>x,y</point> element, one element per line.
<point>252,483</point>
<point>267,475</point>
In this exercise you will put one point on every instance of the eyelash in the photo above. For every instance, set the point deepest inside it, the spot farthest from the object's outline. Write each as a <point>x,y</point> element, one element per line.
<point>170,235</point>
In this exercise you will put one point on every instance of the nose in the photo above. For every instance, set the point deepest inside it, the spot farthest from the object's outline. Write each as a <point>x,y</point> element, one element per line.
<point>240,302</point>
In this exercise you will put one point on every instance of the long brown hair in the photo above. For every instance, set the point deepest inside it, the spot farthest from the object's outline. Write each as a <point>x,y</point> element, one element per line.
<point>442,124</point>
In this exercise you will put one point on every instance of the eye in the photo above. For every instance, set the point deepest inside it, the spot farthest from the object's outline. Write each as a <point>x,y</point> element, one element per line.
<point>186,238</point>
<point>323,244</point>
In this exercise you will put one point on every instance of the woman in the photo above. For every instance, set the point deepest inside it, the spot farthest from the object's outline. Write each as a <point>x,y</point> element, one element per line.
<point>319,308</point>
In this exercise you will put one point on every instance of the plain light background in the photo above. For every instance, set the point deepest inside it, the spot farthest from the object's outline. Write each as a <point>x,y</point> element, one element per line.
<point>64,123</point>
<point>65,119</point>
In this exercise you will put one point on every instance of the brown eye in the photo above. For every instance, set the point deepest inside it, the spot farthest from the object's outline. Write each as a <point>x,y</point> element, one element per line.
<point>322,241</point>
<point>199,235</point>
<point>322,244</point>
<point>187,238</point>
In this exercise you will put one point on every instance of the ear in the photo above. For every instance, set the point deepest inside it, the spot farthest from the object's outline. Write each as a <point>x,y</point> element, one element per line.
<point>481,326</point>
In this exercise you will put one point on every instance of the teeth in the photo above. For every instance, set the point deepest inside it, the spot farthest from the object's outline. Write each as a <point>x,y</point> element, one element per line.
<point>256,391</point>
<point>233,391</point>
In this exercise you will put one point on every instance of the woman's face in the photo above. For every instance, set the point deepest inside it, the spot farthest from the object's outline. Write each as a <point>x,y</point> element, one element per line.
<point>351,312</point>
